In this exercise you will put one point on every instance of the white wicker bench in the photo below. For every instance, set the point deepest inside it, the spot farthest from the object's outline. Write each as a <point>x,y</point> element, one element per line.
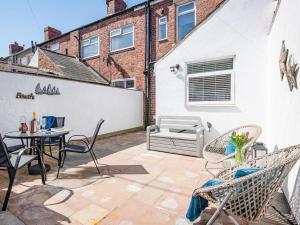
<point>176,134</point>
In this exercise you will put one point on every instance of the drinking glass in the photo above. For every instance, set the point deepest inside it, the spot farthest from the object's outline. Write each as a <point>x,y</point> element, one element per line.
<point>44,123</point>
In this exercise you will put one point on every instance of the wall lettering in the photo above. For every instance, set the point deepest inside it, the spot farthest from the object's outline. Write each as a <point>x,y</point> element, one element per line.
<point>46,90</point>
<point>23,96</point>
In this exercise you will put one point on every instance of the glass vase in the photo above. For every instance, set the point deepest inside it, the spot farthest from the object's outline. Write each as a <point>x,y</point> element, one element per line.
<point>239,155</point>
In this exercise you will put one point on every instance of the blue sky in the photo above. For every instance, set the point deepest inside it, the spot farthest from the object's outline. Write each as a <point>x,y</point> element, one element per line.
<point>24,20</point>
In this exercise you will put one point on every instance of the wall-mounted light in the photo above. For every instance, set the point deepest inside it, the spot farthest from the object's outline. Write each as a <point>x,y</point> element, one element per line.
<point>209,125</point>
<point>175,68</point>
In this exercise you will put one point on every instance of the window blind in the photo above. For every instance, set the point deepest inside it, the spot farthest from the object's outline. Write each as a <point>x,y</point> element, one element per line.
<point>210,88</point>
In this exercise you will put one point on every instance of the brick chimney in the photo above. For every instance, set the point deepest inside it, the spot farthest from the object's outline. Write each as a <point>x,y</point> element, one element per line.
<point>50,32</point>
<point>114,6</point>
<point>14,48</point>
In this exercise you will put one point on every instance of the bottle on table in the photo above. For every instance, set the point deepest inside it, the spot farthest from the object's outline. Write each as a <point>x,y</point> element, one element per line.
<point>34,124</point>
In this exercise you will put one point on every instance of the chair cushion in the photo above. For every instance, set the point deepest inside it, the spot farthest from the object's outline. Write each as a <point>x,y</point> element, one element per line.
<point>167,134</point>
<point>230,147</point>
<point>75,148</point>
<point>241,172</point>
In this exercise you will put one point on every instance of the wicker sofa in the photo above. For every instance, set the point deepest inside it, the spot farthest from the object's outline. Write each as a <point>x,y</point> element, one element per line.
<point>176,134</point>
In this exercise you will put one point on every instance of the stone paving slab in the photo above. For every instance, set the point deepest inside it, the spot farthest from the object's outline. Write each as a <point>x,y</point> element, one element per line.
<point>7,218</point>
<point>136,187</point>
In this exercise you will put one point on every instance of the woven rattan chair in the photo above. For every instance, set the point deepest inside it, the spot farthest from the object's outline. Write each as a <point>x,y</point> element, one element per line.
<point>214,151</point>
<point>248,197</point>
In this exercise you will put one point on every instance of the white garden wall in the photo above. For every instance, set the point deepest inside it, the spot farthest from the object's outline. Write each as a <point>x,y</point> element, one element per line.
<point>239,28</point>
<point>283,105</point>
<point>82,104</point>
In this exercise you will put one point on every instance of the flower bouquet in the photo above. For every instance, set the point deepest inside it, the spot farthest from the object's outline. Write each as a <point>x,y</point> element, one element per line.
<point>240,140</point>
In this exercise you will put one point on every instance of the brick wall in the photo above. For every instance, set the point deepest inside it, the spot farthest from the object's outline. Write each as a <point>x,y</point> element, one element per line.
<point>130,62</point>
<point>46,64</point>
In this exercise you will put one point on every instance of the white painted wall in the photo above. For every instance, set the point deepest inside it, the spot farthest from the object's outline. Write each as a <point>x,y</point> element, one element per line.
<point>81,103</point>
<point>283,105</point>
<point>239,28</point>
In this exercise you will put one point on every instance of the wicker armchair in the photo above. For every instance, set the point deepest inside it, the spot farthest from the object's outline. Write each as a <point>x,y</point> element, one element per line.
<point>214,151</point>
<point>248,197</point>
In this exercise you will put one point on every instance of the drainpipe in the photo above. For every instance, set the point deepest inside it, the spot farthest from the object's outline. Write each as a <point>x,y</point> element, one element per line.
<point>78,39</point>
<point>147,60</point>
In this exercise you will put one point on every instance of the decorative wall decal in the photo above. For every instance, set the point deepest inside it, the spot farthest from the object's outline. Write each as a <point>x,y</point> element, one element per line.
<point>47,90</point>
<point>283,59</point>
<point>292,71</point>
<point>24,96</point>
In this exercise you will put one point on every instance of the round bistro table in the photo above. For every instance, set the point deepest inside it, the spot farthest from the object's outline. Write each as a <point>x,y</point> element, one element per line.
<point>40,136</point>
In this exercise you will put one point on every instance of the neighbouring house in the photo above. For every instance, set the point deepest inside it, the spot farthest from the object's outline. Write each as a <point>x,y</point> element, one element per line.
<point>66,66</point>
<point>227,71</point>
<point>124,45</point>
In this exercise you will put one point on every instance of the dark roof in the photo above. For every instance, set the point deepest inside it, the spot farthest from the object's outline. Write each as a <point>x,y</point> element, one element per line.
<point>74,69</point>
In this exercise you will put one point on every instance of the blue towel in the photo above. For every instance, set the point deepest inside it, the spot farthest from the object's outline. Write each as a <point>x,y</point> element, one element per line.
<point>230,147</point>
<point>50,121</point>
<point>244,172</point>
<point>198,204</point>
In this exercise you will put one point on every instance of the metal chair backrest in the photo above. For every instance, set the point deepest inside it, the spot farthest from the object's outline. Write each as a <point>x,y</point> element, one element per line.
<point>60,122</point>
<point>4,156</point>
<point>99,124</point>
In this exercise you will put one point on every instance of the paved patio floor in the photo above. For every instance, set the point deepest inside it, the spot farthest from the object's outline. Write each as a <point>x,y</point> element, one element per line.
<point>137,187</point>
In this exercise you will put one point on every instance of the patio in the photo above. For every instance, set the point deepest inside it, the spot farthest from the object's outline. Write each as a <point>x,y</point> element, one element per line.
<point>137,187</point>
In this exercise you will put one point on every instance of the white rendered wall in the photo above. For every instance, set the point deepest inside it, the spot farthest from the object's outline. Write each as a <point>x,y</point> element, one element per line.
<point>81,103</point>
<point>283,105</point>
<point>239,28</point>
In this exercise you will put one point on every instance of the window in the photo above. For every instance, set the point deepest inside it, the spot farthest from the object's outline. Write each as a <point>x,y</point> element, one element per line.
<point>54,47</point>
<point>121,38</point>
<point>24,60</point>
<point>124,83</point>
<point>186,19</point>
<point>210,82</point>
<point>90,47</point>
<point>163,28</point>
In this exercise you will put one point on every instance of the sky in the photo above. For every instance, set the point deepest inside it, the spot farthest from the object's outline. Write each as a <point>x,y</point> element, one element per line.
<point>24,20</point>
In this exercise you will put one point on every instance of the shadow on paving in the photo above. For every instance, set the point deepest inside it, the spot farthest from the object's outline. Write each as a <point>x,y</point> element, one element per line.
<point>31,205</point>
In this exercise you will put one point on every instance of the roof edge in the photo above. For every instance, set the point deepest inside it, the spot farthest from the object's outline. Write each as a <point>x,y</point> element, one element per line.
<point>211,14</point>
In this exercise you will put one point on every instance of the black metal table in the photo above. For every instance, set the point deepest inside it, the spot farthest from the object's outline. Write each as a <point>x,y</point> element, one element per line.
<point>33,138</point>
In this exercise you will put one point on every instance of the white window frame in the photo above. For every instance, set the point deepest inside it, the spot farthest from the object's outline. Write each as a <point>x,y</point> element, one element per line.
<point>120,34</point>
<point>162,23</point>
<point>214,73</point>
<point>183,13</point>
<point>82,46</point>
<point>126,79</point>
<point>24,58</point>
<point>55,49</point>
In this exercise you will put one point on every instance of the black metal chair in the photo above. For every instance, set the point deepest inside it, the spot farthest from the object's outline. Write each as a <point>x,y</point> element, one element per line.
<point>87,147</point>
<point>55,141</point>
<point>12,162</point>
<point>14,148</point>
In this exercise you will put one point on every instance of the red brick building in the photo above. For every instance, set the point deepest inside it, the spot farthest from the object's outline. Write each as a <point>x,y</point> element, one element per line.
<point>122,48</point>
